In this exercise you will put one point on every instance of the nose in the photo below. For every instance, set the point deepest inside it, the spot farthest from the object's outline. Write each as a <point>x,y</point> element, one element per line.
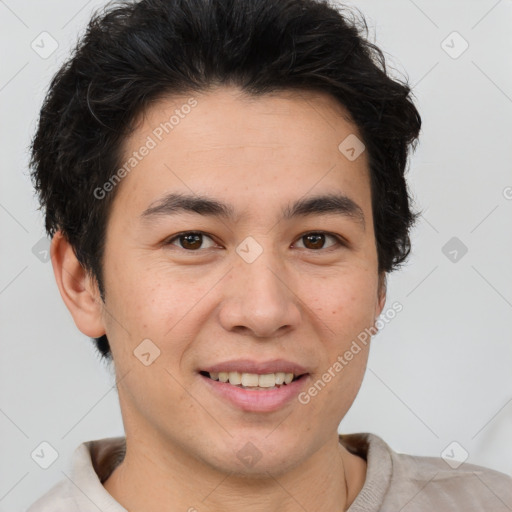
<point>259,300</point>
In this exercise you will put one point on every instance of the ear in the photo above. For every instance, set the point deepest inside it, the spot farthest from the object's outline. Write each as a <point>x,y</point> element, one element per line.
<point>78,289</point>
<point>381,294</point>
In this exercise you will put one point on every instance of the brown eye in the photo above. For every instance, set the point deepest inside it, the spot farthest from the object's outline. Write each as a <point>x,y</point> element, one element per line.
<point>316,241</point>
<point>191,241</point>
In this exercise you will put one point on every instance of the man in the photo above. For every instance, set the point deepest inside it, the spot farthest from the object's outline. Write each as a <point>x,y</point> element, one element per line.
<point>224,186</point>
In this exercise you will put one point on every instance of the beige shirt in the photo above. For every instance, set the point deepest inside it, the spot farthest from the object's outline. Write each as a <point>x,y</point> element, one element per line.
<point>394,482</point>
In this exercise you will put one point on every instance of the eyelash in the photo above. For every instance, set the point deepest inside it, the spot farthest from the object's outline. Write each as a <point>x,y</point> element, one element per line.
<point>338,239</point>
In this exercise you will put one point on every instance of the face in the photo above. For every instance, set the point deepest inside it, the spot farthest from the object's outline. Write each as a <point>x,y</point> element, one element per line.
<point>220,259</point>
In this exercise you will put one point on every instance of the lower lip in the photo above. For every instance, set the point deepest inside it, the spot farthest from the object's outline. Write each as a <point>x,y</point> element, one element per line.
<point>253,400</point>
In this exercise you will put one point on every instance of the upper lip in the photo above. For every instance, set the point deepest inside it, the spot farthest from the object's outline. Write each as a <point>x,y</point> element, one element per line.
<point>251,366</point>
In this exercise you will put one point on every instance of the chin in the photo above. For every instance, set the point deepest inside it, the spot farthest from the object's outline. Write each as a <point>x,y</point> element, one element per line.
<point>256,455</point>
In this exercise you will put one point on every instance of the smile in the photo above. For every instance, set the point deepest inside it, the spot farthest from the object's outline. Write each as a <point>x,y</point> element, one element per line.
<point>254,392</point>
<point>253,381</point>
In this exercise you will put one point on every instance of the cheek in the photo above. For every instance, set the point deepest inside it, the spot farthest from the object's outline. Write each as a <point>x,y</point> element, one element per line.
<point>334,389</point>
<point>345,302</point>
<point>153,304</point>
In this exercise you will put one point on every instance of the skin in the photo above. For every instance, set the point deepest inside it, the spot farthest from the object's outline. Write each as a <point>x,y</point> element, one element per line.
<point>208,305</point>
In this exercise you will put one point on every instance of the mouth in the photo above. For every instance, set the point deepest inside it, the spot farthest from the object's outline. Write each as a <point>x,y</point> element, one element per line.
<point>255,387</point>
<point>254,381</point>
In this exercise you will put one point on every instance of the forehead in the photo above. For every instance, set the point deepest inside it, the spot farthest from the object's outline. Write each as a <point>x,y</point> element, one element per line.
<point>228,116</point>
<point>281,144</point>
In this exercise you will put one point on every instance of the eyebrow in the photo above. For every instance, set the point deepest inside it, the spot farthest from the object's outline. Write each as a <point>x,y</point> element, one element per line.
<point>326,204</point>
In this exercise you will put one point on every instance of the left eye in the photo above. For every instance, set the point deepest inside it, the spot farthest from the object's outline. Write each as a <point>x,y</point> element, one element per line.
<point>317,240</point>
<point>191,241</point>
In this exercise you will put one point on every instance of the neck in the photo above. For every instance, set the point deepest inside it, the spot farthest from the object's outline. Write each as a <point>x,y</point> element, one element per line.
<point>149,476</point>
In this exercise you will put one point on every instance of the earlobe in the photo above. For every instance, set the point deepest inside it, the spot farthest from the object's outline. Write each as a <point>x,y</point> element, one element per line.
<point>78,289</point>
<point>381,298</point>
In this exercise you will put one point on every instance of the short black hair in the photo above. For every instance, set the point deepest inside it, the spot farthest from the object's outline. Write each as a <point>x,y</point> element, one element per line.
<point>134,53</point>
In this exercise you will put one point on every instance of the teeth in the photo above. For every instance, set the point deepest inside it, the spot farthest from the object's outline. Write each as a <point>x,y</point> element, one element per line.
<point>248,379</point>
<point>267,380</point>
<point>280,377</point>
<point>235,378</point>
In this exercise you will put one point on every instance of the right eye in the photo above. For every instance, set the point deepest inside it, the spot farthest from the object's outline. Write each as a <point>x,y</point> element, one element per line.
<point>190,240</point>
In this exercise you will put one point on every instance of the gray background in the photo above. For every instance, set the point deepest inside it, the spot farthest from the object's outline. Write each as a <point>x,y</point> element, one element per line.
<point>439,373</point>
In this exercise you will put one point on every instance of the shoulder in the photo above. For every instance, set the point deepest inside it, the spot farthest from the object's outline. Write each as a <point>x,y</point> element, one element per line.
<point>431,482</point>
<point>419,483</point>
<point>59,498</point>
<point>82,490</point>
